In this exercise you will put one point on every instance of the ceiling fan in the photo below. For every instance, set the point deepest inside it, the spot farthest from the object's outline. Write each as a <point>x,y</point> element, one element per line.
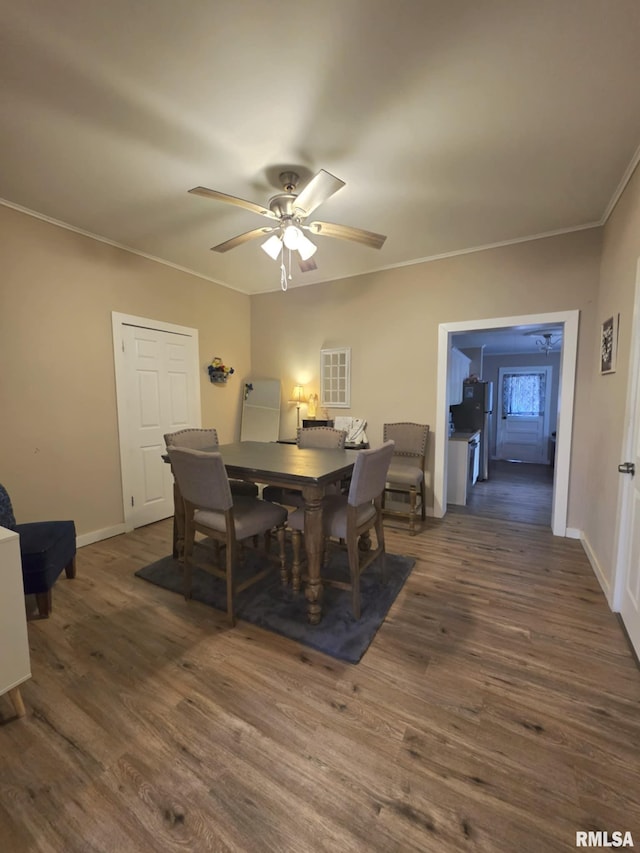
<point>288,210</point>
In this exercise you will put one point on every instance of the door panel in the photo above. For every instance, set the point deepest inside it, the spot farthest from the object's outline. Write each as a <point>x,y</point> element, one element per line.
<point>161,375</point>
<point>629,563</point>
<point>523,436</point>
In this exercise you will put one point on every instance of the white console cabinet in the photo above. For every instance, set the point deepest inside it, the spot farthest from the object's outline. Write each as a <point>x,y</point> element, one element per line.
<point>15,666</point>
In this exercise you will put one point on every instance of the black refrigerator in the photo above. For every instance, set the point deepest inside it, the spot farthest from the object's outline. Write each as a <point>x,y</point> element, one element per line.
<point>472,414</point>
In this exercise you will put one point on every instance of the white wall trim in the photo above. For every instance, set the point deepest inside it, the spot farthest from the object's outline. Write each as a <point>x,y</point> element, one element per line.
<point>573,533</point>
<point>597,570</point>
<point>566,389</point>
<point>99,535</point>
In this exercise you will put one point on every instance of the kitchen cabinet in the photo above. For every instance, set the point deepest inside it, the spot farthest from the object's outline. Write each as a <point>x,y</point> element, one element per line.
<point>462,466</point>
<point>458,372</point>
<point>15,665</point>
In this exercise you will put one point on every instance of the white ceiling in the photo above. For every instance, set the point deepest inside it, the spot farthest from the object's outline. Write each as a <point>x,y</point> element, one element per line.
<point>456,124</point>
<point>509,340</point>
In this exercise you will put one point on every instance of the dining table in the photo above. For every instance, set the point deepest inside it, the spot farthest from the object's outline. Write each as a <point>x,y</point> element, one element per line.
<point>307,470</point>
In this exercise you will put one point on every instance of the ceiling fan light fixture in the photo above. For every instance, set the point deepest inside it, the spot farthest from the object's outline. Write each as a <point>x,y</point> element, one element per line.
<point>292,236</point>
<point>305,247</point>
<point>272,246</point>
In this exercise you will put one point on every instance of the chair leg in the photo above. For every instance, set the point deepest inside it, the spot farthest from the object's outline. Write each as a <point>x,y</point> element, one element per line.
<point>70,570</point>
<point>44,602</point>
<point>354,571</point>
<point>422,498</point>
<point>379,525</point>
<point>187,550</point>
<point>296,540</point>
<point>230,560</point>
<point>412,510</point>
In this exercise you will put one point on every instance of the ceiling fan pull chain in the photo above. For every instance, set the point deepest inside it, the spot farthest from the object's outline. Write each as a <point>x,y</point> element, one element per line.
<point>290,276</point>
<point>283,276</point>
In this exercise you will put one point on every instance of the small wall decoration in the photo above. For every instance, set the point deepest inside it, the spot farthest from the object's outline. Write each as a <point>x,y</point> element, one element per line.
<point>609,345</point>
<point>218,371</point>
<point>335,377</point>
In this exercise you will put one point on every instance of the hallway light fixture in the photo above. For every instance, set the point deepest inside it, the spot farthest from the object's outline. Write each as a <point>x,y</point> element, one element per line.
<point>546,341</point>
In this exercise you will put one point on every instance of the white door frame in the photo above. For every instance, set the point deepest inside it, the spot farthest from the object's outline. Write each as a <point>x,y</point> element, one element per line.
<point>625,486</point>
<point>117,322</point>
<point>569,320</point>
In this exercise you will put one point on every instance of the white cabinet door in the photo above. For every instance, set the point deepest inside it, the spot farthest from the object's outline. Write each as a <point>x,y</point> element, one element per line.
<point>458,372</point>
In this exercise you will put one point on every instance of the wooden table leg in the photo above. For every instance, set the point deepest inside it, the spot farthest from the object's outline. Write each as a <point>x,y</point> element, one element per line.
<point>313,536</point>
<point>16,699</point>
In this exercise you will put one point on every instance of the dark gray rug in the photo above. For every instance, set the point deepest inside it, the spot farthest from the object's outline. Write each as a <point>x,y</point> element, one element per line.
<point>269,605</point>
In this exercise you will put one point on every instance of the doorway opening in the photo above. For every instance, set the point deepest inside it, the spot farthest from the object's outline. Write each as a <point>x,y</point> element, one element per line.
<point>567,322</point>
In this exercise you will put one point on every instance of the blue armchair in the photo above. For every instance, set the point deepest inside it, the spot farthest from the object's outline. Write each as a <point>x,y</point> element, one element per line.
<point>46,548</point>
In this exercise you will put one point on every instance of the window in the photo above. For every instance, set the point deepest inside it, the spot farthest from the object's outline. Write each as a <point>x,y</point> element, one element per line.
<point>523,394</point>
<point>335,378</point>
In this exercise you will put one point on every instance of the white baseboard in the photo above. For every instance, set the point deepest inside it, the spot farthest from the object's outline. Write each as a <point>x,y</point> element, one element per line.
<point>573,533</point>
<point>99,535</point>
<point>597,569</point>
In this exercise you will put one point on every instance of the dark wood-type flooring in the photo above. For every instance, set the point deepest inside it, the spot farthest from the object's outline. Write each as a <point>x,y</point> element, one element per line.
<point>517,491</point>
<point>496,710</point>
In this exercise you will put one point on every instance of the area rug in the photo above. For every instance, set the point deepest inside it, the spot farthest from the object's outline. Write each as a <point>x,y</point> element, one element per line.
<point>270,605</point>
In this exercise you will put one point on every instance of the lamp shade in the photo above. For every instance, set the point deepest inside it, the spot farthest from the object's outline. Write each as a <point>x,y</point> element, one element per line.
<point>305,247</point>
<point>298,395</point>
<point>291,237</point>
<point>272,246</point>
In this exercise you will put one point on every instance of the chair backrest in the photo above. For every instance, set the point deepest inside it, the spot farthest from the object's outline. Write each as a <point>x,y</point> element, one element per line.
<point>195,439</point>
<point>202,478</point>
<point>7,518</point>
<point>321,437</point>
<point>410,438</point>
<point>370,474</point>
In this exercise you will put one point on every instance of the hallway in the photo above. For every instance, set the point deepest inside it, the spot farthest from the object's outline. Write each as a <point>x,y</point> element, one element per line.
<point>515,491</point>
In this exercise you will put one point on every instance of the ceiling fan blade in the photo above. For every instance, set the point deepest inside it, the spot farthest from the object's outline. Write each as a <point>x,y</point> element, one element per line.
<point>231,199</point>
<point>242,238</point>
<point>308,265</point>
<point>321,187</point>
<point>346,232</point>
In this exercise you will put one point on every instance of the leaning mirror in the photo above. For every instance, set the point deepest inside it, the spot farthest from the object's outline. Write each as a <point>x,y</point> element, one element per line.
<point>261,410</point>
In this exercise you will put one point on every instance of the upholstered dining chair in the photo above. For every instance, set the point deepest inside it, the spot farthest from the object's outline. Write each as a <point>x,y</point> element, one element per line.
<point>307,437</point>
<point>46,548</point>
<point>347,517</point>
<point>406,472</point>
<point>199,439</point>
<point>211,509</point>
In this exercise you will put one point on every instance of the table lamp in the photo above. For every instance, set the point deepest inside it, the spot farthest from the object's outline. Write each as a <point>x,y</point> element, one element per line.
<point>298,397</point>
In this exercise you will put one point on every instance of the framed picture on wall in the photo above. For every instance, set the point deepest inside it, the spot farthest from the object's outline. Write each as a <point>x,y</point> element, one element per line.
<point>608,345</point>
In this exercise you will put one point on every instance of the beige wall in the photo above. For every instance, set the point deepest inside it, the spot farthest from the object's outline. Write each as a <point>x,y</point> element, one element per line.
<point>621,250</point>
<point>390,320</point>
<point>59,455</point>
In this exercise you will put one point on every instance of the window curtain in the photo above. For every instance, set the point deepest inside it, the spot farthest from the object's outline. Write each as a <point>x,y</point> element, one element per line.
<point>523,394</point>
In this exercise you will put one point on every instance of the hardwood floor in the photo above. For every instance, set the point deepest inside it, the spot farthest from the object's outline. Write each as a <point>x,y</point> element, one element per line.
<point>516,491</point>
<point>496,710</point>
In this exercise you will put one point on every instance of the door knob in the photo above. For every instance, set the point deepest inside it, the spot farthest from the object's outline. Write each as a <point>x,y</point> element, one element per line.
<point>627,468</point>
